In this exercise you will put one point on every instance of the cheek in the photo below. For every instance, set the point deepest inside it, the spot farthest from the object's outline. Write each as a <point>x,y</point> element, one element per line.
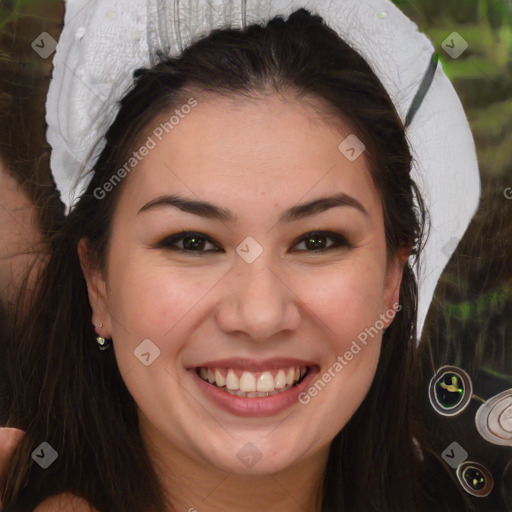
<point>151,299</point>
<point>346,376</point>
<point>149,302</point>
<point>347,297</point>
<point>348,307</point>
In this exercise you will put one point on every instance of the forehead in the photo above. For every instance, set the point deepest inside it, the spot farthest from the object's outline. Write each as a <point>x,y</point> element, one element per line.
<point>236,148</point>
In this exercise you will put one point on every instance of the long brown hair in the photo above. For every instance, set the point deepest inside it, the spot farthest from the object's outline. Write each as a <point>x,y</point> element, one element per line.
<point>24,152</point>
<point>71,395</point>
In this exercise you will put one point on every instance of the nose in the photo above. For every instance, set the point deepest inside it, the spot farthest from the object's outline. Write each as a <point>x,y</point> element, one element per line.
<point>258,300</point>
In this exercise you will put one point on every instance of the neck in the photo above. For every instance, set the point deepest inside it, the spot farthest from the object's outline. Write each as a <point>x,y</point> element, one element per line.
<point>192,485</point>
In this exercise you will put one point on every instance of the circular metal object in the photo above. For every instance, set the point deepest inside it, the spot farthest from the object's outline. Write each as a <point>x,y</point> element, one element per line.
<point>475,479</point>
<point>494,419</point>
<point>450,390</point>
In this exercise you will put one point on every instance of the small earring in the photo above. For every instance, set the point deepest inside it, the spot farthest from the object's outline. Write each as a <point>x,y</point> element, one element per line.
<point>103,343</point>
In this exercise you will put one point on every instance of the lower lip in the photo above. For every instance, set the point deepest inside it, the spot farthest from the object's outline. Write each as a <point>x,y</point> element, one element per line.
<point>250,407</point>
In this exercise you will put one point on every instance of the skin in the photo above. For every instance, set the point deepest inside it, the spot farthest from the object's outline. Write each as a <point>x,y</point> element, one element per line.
<point>9,440</point>
<point>256,158</point>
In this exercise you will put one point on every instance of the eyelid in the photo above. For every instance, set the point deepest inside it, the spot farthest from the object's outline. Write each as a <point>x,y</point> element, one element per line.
<point>168,241</point>
<point>339,240</point>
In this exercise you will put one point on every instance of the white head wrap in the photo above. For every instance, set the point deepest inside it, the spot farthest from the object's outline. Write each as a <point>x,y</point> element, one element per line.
<point>104,41</point>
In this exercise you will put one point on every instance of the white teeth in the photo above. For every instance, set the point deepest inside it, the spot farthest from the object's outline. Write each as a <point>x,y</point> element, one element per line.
<point>253,385</point>
<point>232,381</point>
<point>219,379</point>
<point>280,380</point>
<point>247,382</point>
<point>265,383</point>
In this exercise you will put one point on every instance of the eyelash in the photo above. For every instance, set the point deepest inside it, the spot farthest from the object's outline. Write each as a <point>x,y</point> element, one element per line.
<point>168,242</point>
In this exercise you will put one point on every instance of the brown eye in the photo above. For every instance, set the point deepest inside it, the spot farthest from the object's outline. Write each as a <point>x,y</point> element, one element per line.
<point>316,241</point>
<point>192,242</point>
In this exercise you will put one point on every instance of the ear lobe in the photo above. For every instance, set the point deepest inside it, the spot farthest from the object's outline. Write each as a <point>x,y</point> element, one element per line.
<point>394,280</point>
<point>96,289</point>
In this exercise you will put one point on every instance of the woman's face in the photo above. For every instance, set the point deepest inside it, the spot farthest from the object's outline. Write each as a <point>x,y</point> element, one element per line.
<point>249,298</point>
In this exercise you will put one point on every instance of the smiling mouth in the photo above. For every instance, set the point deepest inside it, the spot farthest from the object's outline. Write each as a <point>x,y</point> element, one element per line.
<point>246,384</point>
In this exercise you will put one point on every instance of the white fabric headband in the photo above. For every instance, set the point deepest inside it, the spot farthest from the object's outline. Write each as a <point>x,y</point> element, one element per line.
<point>104,41</point>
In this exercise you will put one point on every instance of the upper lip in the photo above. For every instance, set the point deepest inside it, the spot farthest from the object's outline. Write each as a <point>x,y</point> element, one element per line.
<point>251,365</point>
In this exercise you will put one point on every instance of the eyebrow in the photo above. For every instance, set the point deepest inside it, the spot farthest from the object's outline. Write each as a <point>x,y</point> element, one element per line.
<point>211,211</point>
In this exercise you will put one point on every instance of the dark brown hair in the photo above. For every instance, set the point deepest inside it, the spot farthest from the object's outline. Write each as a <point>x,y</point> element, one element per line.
<point>24,152</point>
<point>71,395</point>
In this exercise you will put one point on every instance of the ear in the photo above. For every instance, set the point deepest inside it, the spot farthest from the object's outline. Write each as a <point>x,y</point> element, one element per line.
<point>97,291</point>
<point>393,281</point>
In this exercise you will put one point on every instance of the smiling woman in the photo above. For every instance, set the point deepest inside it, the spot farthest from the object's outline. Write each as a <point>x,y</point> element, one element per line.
<point>230,270</point>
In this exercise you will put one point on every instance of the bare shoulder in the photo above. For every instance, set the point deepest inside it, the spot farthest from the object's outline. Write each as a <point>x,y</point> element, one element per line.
<point>65,502</point>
